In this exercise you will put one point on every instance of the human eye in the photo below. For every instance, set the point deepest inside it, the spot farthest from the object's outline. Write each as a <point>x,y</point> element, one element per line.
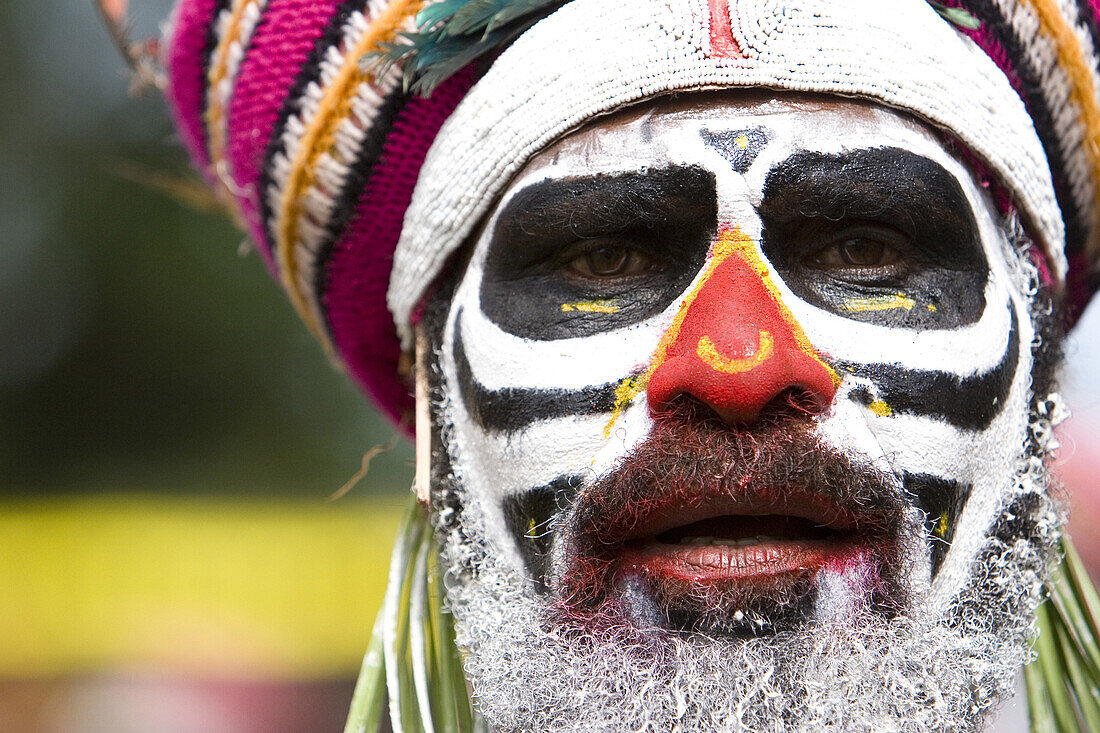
<point>602,261</point>
<point>862,252</point>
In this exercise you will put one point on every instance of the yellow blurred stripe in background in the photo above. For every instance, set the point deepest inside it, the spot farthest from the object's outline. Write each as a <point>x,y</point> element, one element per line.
<point>276,589</point>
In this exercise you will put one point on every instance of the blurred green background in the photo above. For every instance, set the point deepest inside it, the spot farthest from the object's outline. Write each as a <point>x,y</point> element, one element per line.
<point>169,431</point>
<point>141,351</point>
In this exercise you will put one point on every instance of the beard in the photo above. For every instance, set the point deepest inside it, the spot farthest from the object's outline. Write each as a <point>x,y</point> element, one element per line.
<point>536,663</point>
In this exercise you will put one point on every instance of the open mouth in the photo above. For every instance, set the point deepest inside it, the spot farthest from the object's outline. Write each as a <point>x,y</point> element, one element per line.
<point>740,548</point>
<point>734,562</point>
<point>753,540</point>
<point>707,529</point>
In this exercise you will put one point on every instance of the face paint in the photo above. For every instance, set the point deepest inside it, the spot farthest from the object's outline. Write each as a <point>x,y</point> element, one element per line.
<point>740,371</point>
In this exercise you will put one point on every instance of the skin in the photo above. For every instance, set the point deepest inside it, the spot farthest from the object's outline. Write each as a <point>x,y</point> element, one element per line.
<point>821,265</point>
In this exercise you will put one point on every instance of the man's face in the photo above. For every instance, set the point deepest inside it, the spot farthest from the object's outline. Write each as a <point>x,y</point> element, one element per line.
<point>737,401</point>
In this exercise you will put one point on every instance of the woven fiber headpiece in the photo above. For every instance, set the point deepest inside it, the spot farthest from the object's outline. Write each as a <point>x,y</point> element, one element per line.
<point>319,150</point>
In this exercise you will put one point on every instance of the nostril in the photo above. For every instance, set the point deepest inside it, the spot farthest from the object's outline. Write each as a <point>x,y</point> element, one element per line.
<point>792,403</point>
<point>688,407</point>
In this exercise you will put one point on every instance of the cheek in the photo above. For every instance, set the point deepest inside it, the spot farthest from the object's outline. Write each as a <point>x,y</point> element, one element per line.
<point>958,453</point>
<point>525,415</point>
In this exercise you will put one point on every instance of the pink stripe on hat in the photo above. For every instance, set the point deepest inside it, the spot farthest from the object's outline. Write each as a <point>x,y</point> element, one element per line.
<point>358,270</point>
<point>280,47</point>
<point>188,49</point>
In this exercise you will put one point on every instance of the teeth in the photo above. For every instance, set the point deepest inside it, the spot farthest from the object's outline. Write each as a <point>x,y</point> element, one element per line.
<point>742,542</point>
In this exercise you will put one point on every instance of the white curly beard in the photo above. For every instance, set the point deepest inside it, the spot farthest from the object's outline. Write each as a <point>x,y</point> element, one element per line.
<point>914,672</point>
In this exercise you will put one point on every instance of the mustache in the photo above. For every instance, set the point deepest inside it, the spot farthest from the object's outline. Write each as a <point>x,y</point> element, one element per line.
<point>691,458</point>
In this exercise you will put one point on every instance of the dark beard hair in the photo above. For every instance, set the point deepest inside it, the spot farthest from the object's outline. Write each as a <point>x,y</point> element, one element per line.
<point>691,456</point>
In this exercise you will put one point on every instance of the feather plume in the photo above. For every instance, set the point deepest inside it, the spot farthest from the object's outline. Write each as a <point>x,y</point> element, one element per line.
<point>454,33</point>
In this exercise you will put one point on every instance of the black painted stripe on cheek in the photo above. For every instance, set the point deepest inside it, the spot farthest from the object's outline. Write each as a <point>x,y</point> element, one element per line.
<point>942,501</point>
<point>511,409</point>
<point>968,403</point>
<point>530,516</point>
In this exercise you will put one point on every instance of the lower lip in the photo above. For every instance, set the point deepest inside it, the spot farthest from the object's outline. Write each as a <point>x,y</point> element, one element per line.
<point>754,564</point>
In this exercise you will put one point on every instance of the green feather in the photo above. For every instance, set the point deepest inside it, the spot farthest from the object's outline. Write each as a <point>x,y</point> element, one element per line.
<point>436,13</point>
<point>956,16</point>
<point>474,16</point>
<point>454,33</point>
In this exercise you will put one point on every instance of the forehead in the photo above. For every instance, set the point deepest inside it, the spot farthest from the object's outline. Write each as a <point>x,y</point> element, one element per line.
<point>714,128</point>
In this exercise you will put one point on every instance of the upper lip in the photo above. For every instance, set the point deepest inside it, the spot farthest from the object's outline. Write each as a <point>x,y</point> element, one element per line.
<point>794,501</point>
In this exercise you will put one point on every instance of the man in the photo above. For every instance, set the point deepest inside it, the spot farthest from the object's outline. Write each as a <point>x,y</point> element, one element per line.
<point>735,326</point>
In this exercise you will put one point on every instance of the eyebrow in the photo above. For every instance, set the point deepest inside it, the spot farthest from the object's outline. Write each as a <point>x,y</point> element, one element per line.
<point>590,206</point>
<point>914,191</point>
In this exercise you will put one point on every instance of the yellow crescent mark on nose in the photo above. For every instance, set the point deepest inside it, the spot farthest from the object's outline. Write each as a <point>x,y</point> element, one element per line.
<point>709,354</point>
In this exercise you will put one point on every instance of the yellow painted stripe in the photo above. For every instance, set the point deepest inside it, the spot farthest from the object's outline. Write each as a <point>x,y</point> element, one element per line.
<point>880,303</point>
<point>591,306</point>
<point>881,409</point>
<point>333,108</point>
<point>261,588</point>
<point>712,358</point>
<point>1083,93</point>
<point>631,387</point>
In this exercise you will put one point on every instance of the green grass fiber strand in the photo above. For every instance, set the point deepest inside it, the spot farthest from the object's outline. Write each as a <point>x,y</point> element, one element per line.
<point>370,688</point>
<point>1063,681</point>
<point>420,642</point>
<point>412,661</point>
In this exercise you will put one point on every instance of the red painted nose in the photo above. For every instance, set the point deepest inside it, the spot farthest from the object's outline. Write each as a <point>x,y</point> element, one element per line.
<point>734,345</point>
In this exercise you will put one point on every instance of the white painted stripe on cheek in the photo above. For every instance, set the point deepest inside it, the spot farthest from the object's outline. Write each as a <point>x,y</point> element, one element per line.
<point>963,351</point>
<point>499,360</point>
<point>994,455</point>
<point>499,465</point>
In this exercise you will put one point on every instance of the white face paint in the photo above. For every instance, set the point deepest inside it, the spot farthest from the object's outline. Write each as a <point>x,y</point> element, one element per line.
<point>729,375</point>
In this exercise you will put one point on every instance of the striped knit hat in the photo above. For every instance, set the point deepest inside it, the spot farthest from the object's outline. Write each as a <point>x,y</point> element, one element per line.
<point>357,190</point>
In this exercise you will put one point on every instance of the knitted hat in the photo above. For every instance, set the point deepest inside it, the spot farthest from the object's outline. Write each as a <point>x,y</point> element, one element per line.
<point>352,186</point>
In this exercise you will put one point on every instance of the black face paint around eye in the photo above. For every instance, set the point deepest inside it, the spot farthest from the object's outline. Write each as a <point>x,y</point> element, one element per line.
<point>667,216</point>
<point>904,203</point>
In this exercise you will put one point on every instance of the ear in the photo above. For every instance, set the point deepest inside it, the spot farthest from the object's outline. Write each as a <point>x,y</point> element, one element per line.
<point>421,479</point>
